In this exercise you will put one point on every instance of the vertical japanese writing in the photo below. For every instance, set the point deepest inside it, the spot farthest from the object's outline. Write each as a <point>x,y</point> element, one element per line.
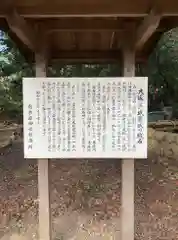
<point>49,100</point>
<point>98,112</point>
<point>86,118</point>
<point>44,114</point>
<point>94,118</point>
<point>83,115</point>
<point>129,117</point>
<point>53,88</point>
<point>124,117</point>
<point>104,118</point>
<point>119,120</point>
<point>68,117</point>
<point>30,127</point>
<point>38,98</point>
<point>140,116</point>
<point>74,130</point>
<point>89,118</point>
<point>64,139</point>
<point>114,126</point>
<point>58,110</point>
<point>134,116</point>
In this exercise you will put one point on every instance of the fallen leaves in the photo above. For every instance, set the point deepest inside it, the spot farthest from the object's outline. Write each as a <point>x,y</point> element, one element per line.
<point>86,197</point>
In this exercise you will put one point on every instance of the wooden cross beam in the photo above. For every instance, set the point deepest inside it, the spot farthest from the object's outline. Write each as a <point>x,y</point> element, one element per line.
<point>146,29</point>
<point>22,29</point>
<point>84,24</point>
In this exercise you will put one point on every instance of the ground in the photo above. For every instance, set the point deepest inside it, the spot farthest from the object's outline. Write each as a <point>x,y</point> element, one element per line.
<point>85,196</point>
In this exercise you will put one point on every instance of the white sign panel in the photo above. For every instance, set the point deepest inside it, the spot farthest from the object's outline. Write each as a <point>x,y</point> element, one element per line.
<point>85,117</point>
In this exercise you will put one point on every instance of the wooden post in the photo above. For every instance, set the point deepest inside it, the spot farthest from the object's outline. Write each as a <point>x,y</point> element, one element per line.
<point>127,208</point>
<point>43,174</point>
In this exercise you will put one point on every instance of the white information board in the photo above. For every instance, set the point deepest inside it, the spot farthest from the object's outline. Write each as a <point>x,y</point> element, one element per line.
<point>85,117</point>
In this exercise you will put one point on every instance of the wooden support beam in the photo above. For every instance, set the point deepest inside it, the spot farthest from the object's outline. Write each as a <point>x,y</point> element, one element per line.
<point>75,40</point>
<point>128,186</point>
<point>82,24</point>
<point>59,9</point>
<point>86,56</point>
<point>43,174</point>
<point>112,40</point>
<point>147,29</point>
<point>22,29</point>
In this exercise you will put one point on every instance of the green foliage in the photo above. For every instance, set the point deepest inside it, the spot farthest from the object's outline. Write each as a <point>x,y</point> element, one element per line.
<point>12,69</point>
<point>84,70</point>
<point>162,70</point>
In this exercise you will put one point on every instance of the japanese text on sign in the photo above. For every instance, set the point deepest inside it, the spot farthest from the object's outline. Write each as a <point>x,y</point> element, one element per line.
<point>85,117</point>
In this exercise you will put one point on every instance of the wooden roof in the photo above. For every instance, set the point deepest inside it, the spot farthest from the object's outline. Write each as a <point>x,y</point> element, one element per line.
<point>87,31</point>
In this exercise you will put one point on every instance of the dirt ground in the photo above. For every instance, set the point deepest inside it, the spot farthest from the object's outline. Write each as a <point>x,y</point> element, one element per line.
<point>85,197</point>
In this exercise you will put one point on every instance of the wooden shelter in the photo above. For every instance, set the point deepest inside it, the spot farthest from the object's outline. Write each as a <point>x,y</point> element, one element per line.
<point>87,31</point>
